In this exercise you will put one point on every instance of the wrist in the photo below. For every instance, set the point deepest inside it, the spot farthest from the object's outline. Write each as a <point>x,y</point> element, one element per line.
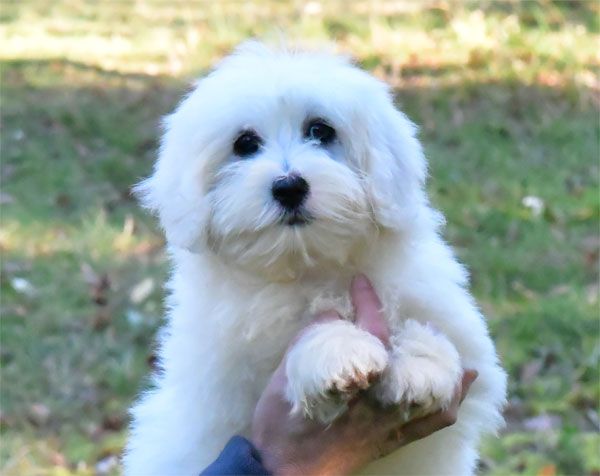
<point>287,463</point>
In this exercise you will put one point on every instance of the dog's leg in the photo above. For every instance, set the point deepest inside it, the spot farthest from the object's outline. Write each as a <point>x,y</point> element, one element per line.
<point>423,370</point>
<point>328,365</point>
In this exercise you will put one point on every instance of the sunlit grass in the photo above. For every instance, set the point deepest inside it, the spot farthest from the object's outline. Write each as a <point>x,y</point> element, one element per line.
<point>158,38</point>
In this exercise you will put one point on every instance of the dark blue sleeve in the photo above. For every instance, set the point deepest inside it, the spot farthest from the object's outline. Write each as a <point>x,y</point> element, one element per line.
<point>238,457</point>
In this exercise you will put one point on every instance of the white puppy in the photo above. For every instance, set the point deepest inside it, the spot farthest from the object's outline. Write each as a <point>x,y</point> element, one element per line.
<point>280,176</point>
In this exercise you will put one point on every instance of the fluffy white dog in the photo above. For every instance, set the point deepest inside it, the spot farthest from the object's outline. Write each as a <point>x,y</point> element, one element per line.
<point>280,176</point>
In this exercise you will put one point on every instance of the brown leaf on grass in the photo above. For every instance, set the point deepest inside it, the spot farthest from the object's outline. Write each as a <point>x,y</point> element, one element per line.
<point>146,248</point>
<point>591,258</point>
<point>548,470</point>
<point>99,292</point>
<point>550,78</point>
<point>63,200</point>
<point>590,246</point>
<point>113,422</point>
<point>38,414</point>
<point>99,284</point>
<point>477,58</point>
<point>58,459</point>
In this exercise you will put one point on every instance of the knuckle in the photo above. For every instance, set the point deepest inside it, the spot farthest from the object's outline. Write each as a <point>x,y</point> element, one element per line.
<point>448,418</point>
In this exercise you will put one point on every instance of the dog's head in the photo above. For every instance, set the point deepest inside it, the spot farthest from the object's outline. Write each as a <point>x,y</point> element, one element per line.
<point>283,160</point>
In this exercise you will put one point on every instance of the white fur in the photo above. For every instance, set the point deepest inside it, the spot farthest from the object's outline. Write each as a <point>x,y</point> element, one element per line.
<point>345,355</point>
<point>424,368</point>
<point>243,283</point>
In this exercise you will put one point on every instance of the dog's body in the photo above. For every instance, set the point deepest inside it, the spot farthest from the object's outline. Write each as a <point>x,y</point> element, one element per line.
<point>247,276</point>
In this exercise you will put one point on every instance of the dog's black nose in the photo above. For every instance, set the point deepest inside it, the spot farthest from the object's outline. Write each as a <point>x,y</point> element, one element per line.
<point>290,191</point>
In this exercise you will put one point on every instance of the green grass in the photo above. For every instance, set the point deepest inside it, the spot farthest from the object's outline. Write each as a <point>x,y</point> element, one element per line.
<point>507,96</point>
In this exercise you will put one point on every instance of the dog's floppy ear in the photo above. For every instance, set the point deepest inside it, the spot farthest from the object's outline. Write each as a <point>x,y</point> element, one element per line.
<point>174,193</point>
<point>396,168</point>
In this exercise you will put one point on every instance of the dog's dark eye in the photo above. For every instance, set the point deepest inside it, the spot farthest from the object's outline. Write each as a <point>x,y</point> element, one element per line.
<point>320,131</point>
<point>247,144</point>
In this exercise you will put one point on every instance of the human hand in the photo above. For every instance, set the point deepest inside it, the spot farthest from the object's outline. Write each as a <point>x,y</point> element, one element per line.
<point>291,444</point>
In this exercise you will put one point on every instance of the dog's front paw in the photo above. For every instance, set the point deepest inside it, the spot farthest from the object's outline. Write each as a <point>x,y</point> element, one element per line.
<point>423,371</point>
<point>329,365</point>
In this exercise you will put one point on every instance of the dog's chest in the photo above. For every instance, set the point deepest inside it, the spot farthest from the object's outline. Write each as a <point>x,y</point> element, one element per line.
<point>273,316</point>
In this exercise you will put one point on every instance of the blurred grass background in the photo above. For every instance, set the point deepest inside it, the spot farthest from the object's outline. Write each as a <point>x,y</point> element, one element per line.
<point>507,94</point>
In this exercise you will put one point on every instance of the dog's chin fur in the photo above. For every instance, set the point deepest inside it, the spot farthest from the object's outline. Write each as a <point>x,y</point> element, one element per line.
<point>248,275</point>
<point>285,253</point>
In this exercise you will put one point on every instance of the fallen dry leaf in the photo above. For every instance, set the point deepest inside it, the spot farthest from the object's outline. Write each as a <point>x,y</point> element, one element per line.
<point>113,422</point>
<point>38,414</point>
<point>58,459</point>
<point>548,470</point>
<point>99,284</point>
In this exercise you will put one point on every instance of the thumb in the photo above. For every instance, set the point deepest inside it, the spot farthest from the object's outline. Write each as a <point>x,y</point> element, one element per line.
<point>367,307</point>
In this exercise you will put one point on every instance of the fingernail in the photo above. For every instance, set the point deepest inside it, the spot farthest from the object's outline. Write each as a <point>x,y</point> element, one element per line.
<point>472,376</point>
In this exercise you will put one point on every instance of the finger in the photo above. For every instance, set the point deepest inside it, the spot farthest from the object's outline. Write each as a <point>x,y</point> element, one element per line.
<point>469,376</point>
<point>367,307</point>
<point>462,388</point>
<point>389,424</point>
<point>393,441</point>
<point>425,426</point>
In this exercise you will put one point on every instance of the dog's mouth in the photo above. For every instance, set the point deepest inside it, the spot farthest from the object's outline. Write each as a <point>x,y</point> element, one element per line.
<point>296,218</point>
